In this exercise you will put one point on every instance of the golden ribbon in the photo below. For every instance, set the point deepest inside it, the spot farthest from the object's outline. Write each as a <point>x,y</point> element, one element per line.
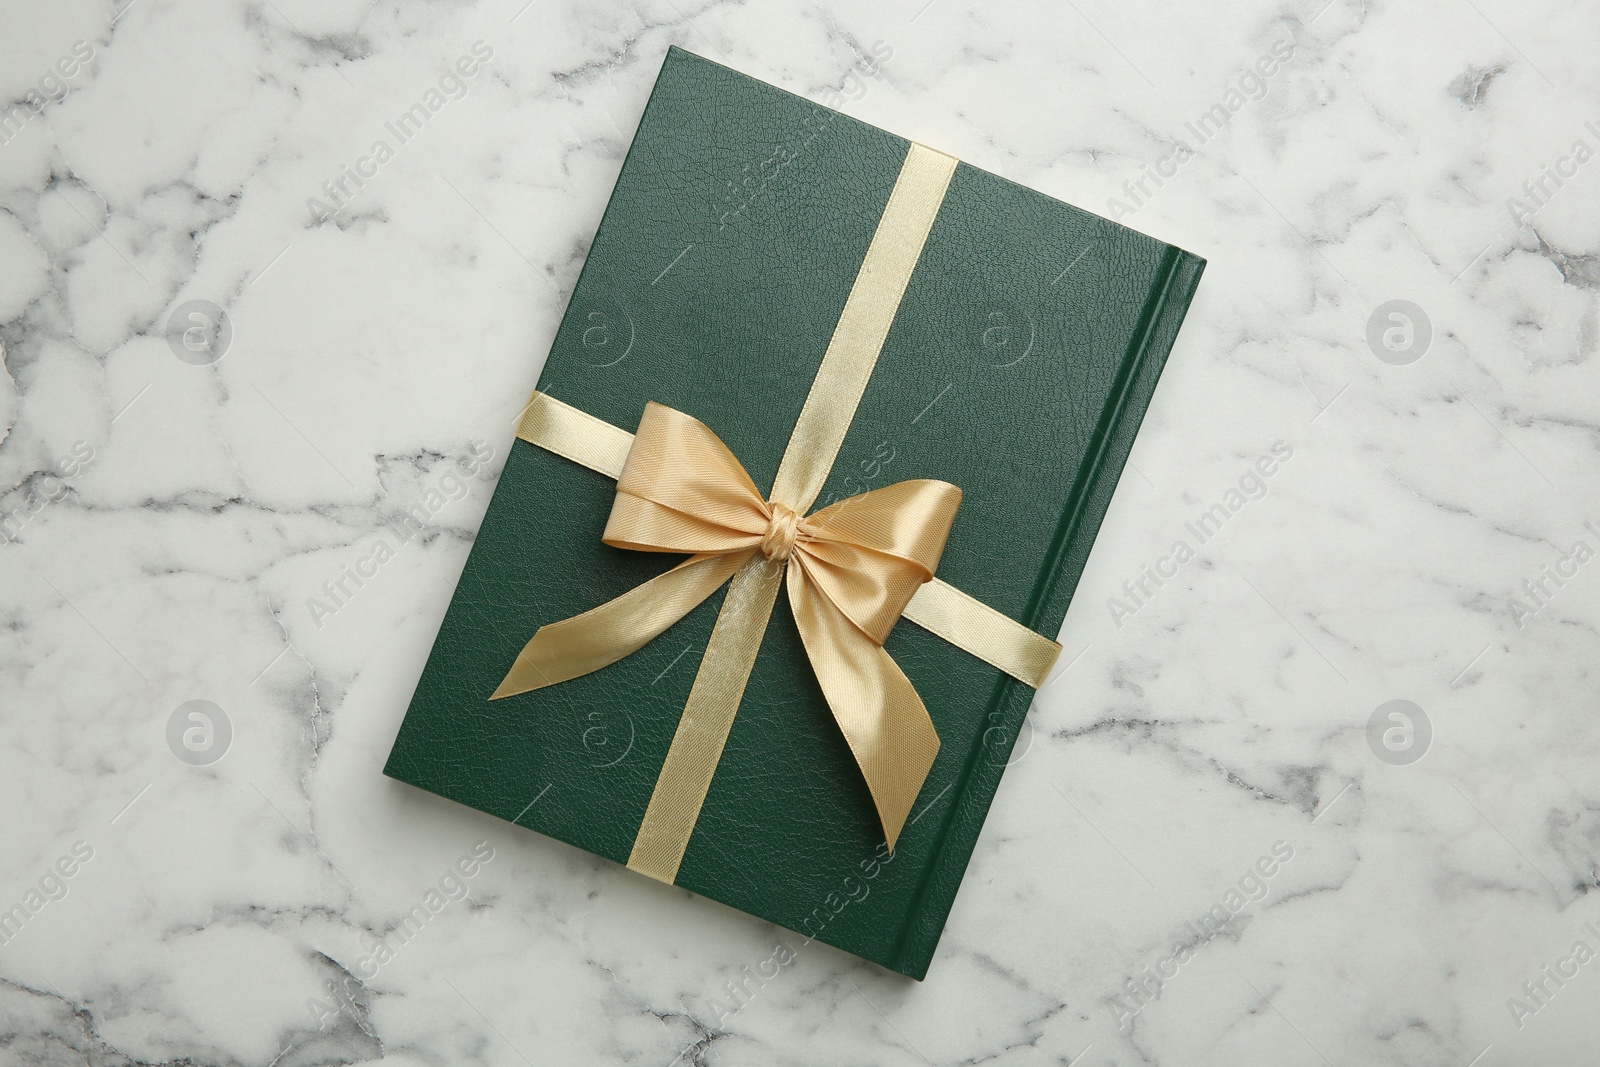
<point>852,568</point>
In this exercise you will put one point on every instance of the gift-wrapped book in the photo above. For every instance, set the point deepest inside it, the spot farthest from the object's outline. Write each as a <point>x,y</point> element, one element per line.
<point>817,457</point>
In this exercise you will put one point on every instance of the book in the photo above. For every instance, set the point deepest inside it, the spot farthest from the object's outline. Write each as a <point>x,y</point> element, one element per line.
<point>1020,362</point>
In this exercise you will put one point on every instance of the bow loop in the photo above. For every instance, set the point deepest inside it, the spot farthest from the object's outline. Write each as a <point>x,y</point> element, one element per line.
<point>681,490</point>
<point>869,553</point>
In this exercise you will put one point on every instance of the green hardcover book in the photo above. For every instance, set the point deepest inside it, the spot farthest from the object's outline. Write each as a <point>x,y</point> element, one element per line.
<point>1019,364</point>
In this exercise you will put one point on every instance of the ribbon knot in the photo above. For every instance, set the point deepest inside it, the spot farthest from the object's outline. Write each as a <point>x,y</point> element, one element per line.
<point>850,569</point>
<point>778,541</point>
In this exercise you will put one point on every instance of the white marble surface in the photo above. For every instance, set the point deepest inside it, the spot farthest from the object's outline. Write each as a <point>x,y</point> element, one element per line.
<point>226,909</point>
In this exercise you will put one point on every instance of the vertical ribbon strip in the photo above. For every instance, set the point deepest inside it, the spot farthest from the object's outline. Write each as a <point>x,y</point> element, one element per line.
<point>829,410</point>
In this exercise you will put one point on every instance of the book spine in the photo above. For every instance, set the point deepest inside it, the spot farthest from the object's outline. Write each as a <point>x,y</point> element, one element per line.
<point>1086,507</point>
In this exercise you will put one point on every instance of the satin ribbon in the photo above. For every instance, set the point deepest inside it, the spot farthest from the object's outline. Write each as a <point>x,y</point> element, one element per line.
<point>852,568</point>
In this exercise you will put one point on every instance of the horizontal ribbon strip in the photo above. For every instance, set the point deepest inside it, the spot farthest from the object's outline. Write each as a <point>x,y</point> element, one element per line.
<point>938,607</point>
<point>577,435</point>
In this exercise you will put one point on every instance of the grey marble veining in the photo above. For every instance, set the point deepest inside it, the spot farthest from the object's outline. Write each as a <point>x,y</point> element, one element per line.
<point>1222,840</point>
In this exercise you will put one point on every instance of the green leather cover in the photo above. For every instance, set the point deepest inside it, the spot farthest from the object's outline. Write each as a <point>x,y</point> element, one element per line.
<point>714,282</point>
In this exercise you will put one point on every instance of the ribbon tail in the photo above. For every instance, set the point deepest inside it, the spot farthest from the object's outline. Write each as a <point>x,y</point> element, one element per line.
<point>883,719</point>
<point>599,637</point>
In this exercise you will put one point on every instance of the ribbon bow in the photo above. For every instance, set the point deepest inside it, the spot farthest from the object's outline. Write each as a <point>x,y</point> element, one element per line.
<point>850,569</point>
